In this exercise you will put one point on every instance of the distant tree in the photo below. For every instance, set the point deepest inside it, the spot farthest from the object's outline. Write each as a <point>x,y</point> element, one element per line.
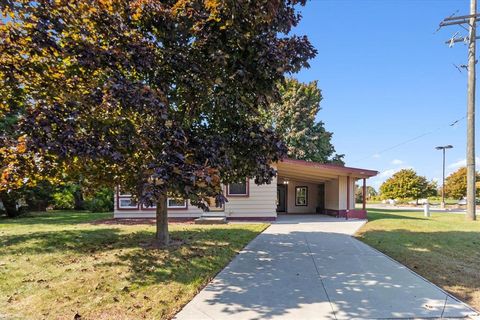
<point>456,184</point>
<point>371,192</point>
<point>294,119</point>
<point>163,98</point>
<point>406,184</point>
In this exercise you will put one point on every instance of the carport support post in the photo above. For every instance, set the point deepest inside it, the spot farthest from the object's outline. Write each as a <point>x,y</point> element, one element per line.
<point>364,194</point>
<point>348,198</point>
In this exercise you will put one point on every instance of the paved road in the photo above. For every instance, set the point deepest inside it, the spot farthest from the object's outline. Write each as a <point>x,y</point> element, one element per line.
<point>307,267</point>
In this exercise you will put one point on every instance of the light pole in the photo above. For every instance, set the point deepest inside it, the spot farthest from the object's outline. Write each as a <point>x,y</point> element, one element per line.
<point>443,172</point>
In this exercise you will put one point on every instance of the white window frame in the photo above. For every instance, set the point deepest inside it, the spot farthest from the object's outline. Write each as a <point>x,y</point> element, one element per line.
<point>120,206</point>
<point>246,194</point>
<point>297,197</point>
<point>184,206</point>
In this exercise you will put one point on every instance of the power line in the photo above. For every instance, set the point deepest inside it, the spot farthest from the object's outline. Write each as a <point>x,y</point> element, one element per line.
<point>451,124</point>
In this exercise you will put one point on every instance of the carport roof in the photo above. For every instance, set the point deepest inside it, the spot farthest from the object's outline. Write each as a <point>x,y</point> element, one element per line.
<point>301,169</point>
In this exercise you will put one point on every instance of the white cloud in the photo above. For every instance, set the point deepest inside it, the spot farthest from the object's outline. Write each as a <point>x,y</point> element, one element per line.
<point>462,163</point>
<point>397,162</point>
<point>376,156</point>
<point>390,172</point>
<point>458,164</point>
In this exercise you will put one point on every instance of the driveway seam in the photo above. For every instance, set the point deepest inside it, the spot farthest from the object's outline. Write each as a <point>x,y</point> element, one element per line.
<point>444,306</point>
<point>320,276</point>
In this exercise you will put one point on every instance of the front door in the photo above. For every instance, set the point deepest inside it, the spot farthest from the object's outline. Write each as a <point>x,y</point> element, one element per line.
<point>281,198</point>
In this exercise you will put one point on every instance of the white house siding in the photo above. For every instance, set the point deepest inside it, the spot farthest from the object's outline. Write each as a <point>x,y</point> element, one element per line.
<point>261,202</point>
<point>331,195</point>
<point>352,192</point>
<point>342,190</point>
<point>343,193</point>
<point>191,212</point>
<point>312,198</point>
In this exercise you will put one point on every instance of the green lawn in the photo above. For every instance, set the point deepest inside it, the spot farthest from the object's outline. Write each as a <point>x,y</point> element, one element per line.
<point>59,264</point>
<point>443,248</point>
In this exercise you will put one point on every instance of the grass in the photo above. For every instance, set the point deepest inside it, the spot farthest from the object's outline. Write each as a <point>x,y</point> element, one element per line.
<point>444,248</point>
<point>57,265</point>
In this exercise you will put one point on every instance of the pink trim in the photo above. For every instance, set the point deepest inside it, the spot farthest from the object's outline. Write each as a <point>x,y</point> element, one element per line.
<point>247,182</point>
<point>347,170</point>
<point>348,214</point>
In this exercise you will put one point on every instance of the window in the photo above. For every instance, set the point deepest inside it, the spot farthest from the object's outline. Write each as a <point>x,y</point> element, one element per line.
<point>172,203</point>
<point>176,203</point>
<point>127,203</point>
<point>238,189</point>
<point>301,196</point>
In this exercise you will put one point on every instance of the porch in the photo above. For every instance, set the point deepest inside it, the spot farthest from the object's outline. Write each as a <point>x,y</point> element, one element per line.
<point>313,188</point>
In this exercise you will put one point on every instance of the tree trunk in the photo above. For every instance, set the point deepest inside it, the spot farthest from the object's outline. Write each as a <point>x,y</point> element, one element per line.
<point>162,237</point>
<point>78,198</point>
<point>10,204</point>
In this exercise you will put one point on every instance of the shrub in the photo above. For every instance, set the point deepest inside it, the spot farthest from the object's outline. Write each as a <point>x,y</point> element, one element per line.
<point>64,199</point>
<point>39,197</point>
<point>101,201</point>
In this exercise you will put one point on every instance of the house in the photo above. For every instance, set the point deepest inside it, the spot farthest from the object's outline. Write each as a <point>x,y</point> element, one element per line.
<point>301,187</point>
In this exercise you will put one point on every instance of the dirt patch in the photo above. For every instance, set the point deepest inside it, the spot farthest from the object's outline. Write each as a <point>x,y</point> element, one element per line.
<point>137,221</point>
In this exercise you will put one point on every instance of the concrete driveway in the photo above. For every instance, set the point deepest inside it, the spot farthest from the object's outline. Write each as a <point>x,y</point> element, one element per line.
<point>309,267</point>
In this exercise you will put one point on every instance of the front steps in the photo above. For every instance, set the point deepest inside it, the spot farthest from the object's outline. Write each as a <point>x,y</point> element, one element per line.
<point>211,218</point>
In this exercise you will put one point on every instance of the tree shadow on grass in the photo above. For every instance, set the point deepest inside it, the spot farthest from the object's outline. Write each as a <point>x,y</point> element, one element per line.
<point>55,218</point>
<point>447,258</point>
<point>203,253</point>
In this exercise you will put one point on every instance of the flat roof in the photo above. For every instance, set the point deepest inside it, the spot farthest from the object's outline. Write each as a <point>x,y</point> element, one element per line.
<point>296,167</point>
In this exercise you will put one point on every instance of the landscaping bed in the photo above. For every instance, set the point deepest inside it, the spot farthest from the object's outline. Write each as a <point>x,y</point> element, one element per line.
<point>62,265</point>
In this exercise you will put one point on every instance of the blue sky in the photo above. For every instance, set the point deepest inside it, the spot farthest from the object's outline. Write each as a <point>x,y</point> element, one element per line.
<point>387,77</point>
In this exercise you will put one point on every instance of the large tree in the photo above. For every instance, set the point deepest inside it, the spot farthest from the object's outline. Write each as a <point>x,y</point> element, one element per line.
<point>456,184</point>
<point>160,97</point>
<point>407,184</point>
<point>294,119</point>
<point>371,192</point>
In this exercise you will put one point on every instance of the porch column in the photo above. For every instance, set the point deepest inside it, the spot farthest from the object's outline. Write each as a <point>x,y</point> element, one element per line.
<point>348,195</point>
<point>364,197</point>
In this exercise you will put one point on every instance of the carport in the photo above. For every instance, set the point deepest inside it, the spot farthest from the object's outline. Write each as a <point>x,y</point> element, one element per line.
<point>310,187</point>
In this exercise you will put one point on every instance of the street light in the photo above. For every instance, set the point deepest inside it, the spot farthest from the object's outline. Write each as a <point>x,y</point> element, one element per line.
<point>443,176</point>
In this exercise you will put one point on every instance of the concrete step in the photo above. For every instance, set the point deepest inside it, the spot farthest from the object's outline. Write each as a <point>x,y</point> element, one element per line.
<point>211,220</point>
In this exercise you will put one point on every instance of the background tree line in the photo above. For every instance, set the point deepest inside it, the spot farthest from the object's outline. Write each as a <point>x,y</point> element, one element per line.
<point>407,184</point>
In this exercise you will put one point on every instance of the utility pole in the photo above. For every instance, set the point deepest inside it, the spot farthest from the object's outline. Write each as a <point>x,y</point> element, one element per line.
<point>471,174</point>
<point>471,21</point>
<point>443,173</point>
